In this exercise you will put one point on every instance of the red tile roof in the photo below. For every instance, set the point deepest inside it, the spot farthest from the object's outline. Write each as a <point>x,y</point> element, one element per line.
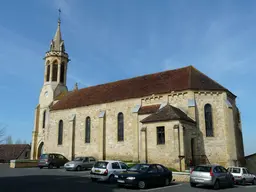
<point>11,151</point>
<point>148,109</point>
<point>167,113</point>
<point>186,78</point>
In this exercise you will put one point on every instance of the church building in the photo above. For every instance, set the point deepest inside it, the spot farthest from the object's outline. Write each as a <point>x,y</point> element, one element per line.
<point>176,118</point>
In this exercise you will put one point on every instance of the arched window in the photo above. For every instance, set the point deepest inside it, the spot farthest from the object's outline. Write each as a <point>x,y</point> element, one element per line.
<point>48,73</point>
<point>120,127</point>
<point>87,129</point>
<point>54,71</point>
<point>44,118</point>
<point>60,133</point>
<point>62,71</point>
<point>208,120</point>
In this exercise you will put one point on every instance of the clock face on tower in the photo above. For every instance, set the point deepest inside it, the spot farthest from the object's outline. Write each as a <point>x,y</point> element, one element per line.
<point>46,93</point>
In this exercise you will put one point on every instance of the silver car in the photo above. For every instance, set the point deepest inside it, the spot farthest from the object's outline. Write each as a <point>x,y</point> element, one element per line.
<point>105,170</point>
<point>242,175</point>
<point>80,163</point>
<point>211,175</point>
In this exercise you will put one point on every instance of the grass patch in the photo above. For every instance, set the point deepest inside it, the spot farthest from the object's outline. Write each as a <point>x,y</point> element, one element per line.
<point>172,169</point>
<point>131,164</point>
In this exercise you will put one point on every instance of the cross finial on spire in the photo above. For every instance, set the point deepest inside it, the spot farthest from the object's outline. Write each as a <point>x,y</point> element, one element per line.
<point>59,15</point>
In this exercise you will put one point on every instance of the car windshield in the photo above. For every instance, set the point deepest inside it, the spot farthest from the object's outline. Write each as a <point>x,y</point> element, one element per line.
<point>203,169</point>
<point>44,156</point>
<point>79,159</point>
<point>236,170</point>
<point>101,164</point>
<point>139,167</point>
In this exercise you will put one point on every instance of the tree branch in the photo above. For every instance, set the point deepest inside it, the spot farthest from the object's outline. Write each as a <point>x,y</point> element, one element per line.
<point>2,133</point>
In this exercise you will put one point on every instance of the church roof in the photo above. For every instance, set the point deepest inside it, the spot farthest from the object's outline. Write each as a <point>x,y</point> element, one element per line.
<point>186,78</point>
<point>167,113</point>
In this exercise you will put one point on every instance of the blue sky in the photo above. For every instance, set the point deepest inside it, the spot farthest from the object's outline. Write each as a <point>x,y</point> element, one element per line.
<point>125,38</point>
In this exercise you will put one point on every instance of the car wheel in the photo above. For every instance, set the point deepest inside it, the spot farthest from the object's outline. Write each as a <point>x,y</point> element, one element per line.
<point>231,184</point>
<point>111,179</point>
<point>254,181</point>
<point>192,184</point>
<point>167,182</point>
<point>78,168</point>
<point>142,185</point>
<point>216,185</point>
<point>243,182</point>
<point>120,185</point>
<point>50,166</point>
<point>40,167</point>
<point>58,167</point>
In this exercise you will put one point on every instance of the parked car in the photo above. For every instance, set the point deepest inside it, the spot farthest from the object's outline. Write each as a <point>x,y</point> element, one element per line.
<point>212,175</point>
<point>242,175</point>
<point>51,160</point>
<point>80,163</point>
<point>106,169</point>
<point>144,175</point>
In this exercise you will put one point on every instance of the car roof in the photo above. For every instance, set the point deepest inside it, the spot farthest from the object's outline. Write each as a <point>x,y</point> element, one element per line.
<point>237,167</point>
<point>110,161</point>
<point>208,165</point>
<point>84,156</point>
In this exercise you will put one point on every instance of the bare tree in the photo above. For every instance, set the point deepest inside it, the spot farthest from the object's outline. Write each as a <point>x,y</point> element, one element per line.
<point>18,141</point>
<point>9,140</point>
<point>2,134</point>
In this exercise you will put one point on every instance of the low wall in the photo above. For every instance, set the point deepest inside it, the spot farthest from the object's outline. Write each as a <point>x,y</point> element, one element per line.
<point>181,176</point>
<point>23,163</point>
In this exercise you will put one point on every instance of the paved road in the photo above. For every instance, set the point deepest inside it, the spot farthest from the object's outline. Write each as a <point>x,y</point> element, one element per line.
<point>55,180</point>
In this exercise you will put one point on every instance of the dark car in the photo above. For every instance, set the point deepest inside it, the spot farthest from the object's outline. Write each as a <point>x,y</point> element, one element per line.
<point>51,160</point>
<point>144,175</point>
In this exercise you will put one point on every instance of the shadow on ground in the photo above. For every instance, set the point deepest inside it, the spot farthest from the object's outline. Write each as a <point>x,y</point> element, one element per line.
<point>51,183</point>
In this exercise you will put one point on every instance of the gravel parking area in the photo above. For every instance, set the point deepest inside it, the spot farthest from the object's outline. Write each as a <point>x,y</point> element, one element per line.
<point>55,180</point>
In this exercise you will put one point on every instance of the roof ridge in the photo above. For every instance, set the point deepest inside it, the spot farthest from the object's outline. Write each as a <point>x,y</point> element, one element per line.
<point>22,150</point>
<point>208,77</point>
<point>135,77</point>
<point>180,79</point>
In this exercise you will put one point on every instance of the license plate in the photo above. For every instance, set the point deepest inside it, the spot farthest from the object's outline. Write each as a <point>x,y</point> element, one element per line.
<point>120,181</point>
<point>97,171</point>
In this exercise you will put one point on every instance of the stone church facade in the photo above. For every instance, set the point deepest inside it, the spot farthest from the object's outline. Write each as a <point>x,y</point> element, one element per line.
<point>177,117</point>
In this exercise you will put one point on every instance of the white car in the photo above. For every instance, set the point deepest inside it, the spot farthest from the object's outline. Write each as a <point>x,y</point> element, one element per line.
<point>105,170</point>
<point>242,175</point>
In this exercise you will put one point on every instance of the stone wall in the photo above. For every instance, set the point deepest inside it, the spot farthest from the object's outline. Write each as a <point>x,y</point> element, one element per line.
<point>114,149</point>
<point>133,146</point>
<point>166,154</point>
<point>215,148</point>
<point>251,163</point>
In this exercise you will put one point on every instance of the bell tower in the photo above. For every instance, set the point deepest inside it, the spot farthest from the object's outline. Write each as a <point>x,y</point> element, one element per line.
<point>55,77</point>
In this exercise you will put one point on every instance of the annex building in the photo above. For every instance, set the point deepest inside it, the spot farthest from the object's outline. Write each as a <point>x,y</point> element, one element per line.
<point>174,117</point>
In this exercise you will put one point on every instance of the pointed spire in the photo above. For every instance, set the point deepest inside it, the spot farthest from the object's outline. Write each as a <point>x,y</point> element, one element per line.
<point>57,43</point>
<point>75,87</point>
